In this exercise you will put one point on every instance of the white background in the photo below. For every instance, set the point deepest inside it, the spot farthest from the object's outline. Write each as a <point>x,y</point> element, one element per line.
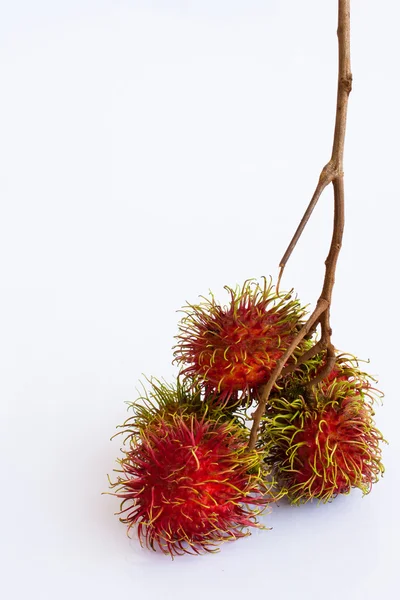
<point>150,151</point>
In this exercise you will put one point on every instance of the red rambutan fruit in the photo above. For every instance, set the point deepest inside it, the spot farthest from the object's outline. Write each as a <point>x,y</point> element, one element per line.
<point>232,350</point>
<point>187,479</point>
<point>326,445</point>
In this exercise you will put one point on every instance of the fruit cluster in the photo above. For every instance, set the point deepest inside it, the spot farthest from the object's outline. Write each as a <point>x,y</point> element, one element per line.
<point>188,479</point>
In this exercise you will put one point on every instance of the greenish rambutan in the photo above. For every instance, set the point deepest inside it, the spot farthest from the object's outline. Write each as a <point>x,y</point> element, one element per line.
<point>187,479</point>
<point>232,350</point>
<point>323,443</point>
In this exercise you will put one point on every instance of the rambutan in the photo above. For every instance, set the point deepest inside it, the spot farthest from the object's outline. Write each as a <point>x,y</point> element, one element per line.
<point>232,350</point>
<point>187,478</point>
<point>327,444</point>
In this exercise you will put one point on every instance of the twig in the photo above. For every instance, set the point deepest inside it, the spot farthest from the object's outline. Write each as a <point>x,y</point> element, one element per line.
<point>332,173</point>
<point>322,305</point>
<point>326,177</point>
<point>316,349</point>
<point>330,360</point>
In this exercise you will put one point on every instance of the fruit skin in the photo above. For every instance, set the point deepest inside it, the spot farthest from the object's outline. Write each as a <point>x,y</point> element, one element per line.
<point>323,444</point>
<point>187,478</point>
<point>232,350</point>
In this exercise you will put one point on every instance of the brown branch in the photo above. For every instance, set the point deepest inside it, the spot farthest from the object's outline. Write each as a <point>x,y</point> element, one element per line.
<point>316,349</point>
<point>332,173</point>
<point>322,305</point>
<point>333,168</point>
<point>327,368</point>
<point>326,177</point>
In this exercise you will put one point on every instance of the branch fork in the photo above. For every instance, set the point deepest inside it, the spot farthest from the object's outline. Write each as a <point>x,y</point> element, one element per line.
<point>331,173</point>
